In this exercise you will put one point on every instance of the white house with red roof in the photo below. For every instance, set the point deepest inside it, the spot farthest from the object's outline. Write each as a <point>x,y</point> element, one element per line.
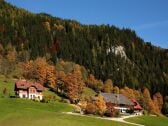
<point>119,101</point>
<point>24,89</point>
<point>122,103</point>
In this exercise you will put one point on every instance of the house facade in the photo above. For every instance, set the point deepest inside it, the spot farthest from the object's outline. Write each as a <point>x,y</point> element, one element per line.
<point>118,101</point>
<point>29,90</point>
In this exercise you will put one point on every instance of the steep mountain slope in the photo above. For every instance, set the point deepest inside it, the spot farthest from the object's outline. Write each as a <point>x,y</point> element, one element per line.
<point>106,51</point>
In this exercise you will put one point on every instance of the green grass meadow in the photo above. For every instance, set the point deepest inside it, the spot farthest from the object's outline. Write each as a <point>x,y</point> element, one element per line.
<point>149,120</point>
<point>20,112</point>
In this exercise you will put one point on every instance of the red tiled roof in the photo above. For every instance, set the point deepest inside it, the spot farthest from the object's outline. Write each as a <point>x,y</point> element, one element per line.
<point>22,84</point>
<point>137,106</point>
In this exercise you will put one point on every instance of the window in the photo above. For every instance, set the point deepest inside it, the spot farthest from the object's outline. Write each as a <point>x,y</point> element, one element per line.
<point>30,90</point>
<point>24,96</point>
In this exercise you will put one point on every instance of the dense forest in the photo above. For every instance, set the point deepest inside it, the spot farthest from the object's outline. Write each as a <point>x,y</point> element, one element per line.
<point>106,51</point>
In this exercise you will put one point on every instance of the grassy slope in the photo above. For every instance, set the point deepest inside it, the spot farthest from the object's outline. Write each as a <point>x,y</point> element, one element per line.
<point>150,120</point>
<point>18,112</point>
<point>88,92</point>
<point>8,84</point>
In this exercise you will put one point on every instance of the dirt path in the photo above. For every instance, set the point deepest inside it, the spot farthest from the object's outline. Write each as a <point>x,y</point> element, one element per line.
<point>119,119</point>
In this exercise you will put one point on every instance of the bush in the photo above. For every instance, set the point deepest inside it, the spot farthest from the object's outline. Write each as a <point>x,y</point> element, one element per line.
<point>91,108</point>
<point>117,113</point>
<point>77,109</point>
<point>110,112</point>
<point>82,105</point>
<point>37,100</point>
<point>45,100</point>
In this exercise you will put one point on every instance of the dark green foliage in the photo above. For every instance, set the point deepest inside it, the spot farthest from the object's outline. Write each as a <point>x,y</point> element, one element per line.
<point>35,35</point>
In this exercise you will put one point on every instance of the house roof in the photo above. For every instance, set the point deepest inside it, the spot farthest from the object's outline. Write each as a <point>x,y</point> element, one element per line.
<point>137,106</point>
<point>117,99</point>
<point>22,84</point>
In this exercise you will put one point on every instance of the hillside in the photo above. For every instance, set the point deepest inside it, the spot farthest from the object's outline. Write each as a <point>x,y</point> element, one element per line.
<point>106,51</point>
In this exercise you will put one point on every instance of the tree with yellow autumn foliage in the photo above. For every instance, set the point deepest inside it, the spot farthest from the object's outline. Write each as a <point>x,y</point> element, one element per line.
<point>149,105</point>
<point>71,88</point>
<point>108,86</point>
<point>158,101</point>
<point>128,92</point>
<point>41,65</point>
<point>74,84</point>
<point>95,84</point>
<point>100,104</point>
<point>116,90</point>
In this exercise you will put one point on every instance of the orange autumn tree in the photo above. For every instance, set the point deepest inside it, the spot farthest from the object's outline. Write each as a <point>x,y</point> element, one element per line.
<point>29,70</point>
<point>74,84</point>
<point>95,84</point>
<point>149,105</point>
<point>51,76</point>
<point>78,76</point>
<point>91,82</point>
<point>128,92</point>
<point>41,65</point>
<point>158,101</point>
<point>71,87</point>
<point>41,71</point>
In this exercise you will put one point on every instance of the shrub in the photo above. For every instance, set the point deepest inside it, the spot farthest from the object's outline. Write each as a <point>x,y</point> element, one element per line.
<point>82,105</point>
<point>110,112</point>
<point>117,113</point>
<point>45,100</point>
<point>77,109</point>
<point>91,108</point>
<point>37,100</point>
